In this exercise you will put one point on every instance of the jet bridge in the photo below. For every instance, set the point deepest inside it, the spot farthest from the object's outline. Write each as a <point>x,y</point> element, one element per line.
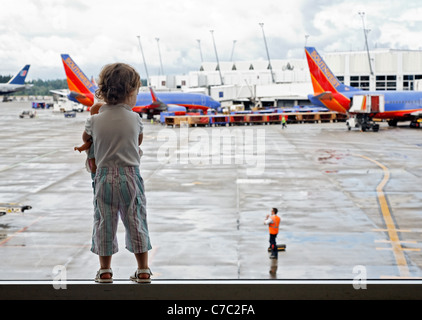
<point>362,110</point>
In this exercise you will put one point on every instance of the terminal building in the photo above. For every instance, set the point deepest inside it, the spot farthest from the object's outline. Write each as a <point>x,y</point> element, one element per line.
<point>287,82</point>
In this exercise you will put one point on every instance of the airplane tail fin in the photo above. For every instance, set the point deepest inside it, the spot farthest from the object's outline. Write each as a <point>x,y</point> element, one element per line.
<point>159,105</point>
<point>93,81</point>
<point>323,79</point>
<point>153,95</point>
<point>80,86</point>
<point>20,77</point>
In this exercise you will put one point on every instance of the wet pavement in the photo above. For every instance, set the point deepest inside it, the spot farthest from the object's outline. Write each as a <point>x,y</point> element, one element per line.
<point>208,195</point>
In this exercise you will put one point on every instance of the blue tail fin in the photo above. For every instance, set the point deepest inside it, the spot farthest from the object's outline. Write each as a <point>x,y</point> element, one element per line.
<point>20,77</point>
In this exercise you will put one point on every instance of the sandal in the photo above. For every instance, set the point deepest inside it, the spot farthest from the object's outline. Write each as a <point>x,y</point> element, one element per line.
<point>100,273</point>
<point>135,276</point>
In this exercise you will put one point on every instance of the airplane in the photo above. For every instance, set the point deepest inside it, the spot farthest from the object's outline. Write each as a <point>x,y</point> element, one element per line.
<point>17,83</point>
<point>361,106</point>
<point>82,90</point>
<point>177,102</point>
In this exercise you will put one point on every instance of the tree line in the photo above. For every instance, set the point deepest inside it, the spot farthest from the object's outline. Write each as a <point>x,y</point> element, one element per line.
<point>43,87</point>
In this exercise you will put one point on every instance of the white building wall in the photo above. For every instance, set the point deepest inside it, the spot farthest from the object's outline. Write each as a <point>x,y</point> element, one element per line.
<point>284,90</point>
<point>397,63</point>
<point>412,62</point>
<point>386,63</point>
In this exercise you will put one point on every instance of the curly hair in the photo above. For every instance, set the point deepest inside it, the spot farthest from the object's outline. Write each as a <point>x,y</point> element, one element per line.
<point>117,81</point>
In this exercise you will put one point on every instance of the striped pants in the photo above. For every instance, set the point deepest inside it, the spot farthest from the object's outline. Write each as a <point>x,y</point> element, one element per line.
<point>119,191</point>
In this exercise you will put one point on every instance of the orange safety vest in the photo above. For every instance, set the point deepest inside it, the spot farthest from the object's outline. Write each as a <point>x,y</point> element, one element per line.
<point>273,226</point>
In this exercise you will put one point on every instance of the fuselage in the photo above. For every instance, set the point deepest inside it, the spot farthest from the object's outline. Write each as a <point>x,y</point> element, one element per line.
<point>188,100</point>
<point>6,88</point>
<point>398,104</point>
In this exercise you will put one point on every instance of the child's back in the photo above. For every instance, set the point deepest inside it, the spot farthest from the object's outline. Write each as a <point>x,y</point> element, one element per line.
<point>116,133</point>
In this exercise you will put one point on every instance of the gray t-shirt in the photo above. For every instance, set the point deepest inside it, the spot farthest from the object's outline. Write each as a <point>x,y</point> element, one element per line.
<point>115,131</point>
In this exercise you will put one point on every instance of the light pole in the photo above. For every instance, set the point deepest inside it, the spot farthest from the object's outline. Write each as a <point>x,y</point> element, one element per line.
<point>143,58</point>
<point>268,55</point>
<point>216,55</point>
<point>306,39</point>
<point>159,54</point>
<point>306,43</point>
<point>200,50</point>
<point>234,43</point>
<point>365,32</point>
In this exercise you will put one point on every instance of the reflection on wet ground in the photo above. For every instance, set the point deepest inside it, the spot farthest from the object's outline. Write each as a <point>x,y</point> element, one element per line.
<point>207,199</point>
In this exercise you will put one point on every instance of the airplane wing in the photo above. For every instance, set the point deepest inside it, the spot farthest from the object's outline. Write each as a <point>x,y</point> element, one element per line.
<point>62,92</point>
<point>417,114</point>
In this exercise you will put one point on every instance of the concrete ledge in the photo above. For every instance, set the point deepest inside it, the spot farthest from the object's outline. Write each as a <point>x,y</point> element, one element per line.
<point>211,290</point>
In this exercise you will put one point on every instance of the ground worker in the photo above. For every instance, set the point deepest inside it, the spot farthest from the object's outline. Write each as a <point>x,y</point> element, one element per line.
<point>273,222</point>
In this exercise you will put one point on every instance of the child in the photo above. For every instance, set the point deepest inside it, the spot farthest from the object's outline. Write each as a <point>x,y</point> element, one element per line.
<point>87,146</point>
<point>116,133</point>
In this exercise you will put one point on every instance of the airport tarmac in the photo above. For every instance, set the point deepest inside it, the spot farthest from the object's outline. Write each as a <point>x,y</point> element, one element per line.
<point>349,201</point>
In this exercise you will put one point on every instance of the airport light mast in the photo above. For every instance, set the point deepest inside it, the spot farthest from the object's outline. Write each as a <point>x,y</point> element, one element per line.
<point>365,32</point>
<point>216,55</point>
<point>306,39</point>
<point>159,54</point>
<point>234,43</point>
<point>143,58</point>
<point>268,55</point>
<point>200,50</point>
<point>306,43</point>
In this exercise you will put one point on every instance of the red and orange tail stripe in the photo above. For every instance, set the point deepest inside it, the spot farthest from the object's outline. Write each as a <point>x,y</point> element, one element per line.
<point>77,81</point>
<point>323,80</point>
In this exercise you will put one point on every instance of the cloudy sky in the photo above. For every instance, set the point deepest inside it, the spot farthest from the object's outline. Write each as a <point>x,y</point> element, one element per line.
<point>97,32</point>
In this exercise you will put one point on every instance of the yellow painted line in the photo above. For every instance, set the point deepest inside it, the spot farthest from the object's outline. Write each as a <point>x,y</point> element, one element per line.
<point>398,277</point>
<point>398,230</point>
<point>404,249</point>
<point>388,220</point>
<point>388,241</point>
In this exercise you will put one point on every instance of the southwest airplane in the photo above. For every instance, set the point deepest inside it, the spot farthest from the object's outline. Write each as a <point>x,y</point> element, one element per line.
<point>82,90</point>
<point>17,83</point>
<point>329,92</point>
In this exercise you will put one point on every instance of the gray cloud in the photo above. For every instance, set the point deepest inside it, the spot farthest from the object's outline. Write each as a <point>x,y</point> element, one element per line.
<point>97,32</point>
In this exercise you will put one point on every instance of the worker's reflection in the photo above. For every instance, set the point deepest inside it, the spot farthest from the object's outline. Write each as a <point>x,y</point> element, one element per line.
<point>273,268</point>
